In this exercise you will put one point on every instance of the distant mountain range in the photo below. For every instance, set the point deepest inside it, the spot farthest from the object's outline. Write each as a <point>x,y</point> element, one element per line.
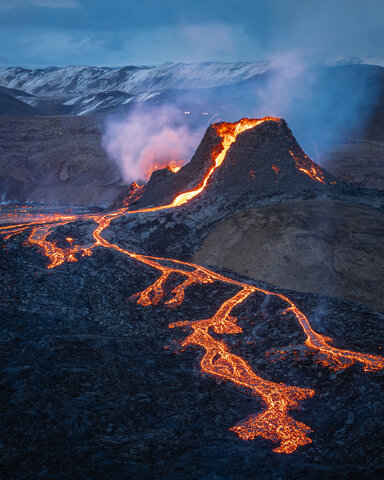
<point>80,90</point>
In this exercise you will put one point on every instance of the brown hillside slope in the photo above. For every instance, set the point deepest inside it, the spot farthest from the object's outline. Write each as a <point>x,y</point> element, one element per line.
<point>319,246</point>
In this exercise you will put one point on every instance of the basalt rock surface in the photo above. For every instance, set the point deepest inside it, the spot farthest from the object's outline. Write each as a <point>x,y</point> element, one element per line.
<point>94,385</point>
<point>61,159</point>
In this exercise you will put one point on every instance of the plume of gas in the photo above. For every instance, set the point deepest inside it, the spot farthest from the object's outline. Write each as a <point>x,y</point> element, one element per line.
<point>323,105</point>
<point>149,138</point>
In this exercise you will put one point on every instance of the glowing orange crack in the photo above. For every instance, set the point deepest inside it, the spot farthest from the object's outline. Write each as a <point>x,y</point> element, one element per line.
<point>304,164</point>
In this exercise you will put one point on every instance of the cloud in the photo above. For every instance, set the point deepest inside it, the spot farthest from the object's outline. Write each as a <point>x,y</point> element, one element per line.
<point>119,32</point>
<point>31,46</point>
<point>12,4</point>
<point>188,42</point>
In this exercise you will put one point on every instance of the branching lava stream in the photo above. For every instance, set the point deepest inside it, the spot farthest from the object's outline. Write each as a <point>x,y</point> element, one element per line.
<point>274,422</point>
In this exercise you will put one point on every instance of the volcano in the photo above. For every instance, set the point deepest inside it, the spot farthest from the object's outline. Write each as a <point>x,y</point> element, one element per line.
<point>262,160</point>
<point>91,331</point>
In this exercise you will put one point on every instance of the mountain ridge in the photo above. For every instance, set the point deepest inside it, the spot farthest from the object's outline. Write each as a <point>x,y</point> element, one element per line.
<point>131,79</point>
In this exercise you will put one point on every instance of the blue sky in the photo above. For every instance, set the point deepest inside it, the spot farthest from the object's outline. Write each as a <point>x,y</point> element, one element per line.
<point>125,32</point>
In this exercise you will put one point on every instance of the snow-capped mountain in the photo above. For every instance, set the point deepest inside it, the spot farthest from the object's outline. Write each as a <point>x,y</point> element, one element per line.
<point>73,80</point>
<point>333,61</point>
<point>79,90</point>
<point>85,80</point>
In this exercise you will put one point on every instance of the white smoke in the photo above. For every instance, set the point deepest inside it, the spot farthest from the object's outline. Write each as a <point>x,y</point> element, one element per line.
<point>281,91</point>
<point>149,138</point>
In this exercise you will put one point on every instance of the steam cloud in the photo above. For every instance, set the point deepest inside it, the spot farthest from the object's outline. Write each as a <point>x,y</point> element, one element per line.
<point>149,138</point>
<point>322,105</point>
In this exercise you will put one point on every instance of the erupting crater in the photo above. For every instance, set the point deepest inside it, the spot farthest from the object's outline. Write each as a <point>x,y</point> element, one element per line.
<point>262,159</point>
<point>274,422</point>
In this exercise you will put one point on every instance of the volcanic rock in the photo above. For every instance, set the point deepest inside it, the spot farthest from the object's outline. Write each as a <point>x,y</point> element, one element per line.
<point>357,161</point>
<point>164,185</point>
<point>93,385</point>
<point>129,196</point>
<point>34,150</point>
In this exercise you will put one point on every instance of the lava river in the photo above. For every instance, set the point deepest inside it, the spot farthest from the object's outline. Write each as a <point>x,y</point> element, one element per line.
<point>274,422</point>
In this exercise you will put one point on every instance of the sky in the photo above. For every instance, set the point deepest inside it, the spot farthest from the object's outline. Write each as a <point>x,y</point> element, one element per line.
<point>36,33</point>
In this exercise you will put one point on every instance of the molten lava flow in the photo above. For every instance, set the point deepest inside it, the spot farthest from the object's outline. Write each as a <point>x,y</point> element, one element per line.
<point>228,132</point>
<point>173,166</point>
<point>274,422</point>
<point>135,192</point>
<point>304,164</point>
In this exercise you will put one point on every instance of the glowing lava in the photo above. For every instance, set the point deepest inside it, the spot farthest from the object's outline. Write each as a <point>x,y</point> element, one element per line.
<point>135,192</point>
<point>228,132</point>
<point>274,422</point>
<point>172,166</point>
<point>304,164</point>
